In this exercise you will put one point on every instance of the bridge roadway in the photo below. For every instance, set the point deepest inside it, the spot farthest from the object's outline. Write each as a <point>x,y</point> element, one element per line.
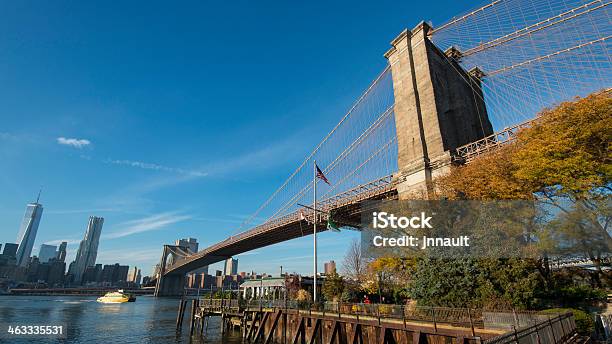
<point>346,207</point>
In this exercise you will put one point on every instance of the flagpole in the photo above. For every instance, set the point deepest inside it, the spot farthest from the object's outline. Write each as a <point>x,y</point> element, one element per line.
<point>314,213</point>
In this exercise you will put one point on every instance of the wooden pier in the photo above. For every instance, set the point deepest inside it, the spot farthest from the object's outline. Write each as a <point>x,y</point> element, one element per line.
<point>287,322</point>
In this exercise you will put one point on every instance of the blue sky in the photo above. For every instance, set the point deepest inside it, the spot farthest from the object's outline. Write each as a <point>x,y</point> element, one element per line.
<point>179,120</point>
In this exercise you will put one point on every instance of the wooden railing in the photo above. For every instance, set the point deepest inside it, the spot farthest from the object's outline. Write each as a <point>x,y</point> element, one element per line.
<point>475,319</point>
<point>557,329</point>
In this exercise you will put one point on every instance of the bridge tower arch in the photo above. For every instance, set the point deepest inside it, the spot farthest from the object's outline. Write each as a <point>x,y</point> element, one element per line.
<point>438,107</point>
<point>168,284</point>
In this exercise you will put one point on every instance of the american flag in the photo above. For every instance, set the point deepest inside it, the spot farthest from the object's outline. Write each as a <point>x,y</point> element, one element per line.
<point>320,175</point>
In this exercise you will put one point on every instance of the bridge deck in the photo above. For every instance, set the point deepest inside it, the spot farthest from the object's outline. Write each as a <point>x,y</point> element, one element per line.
<point>291,226</point>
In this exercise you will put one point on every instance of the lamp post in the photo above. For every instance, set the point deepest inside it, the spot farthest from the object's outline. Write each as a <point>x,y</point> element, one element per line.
<point>379,292</point>
<point>314,224</point>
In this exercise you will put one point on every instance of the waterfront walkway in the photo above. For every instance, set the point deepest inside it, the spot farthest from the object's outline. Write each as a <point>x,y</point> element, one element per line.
<point>279,320</point>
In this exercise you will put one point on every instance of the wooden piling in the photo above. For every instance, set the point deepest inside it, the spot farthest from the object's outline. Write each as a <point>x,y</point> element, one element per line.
<point>180,315</point>
<point>194,307</point>
<point>202,319</point>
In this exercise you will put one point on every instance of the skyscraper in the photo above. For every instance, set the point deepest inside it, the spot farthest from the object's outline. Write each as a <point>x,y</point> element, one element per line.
<point>202,270</point>
<point>10,250</point>
<point>46,252</point>
<point>88,249</point>
<point>189,243</point>
<point>330,267</point>
<point>231,267</point>
<point>113,273</point>
<point>134,276</point>
<point>57,270</point>
<point>61,253</point>
<point>27,232</point>
<point>138,278</point>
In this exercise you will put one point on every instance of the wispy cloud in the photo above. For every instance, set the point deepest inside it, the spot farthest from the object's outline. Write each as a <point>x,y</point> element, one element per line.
<point>131,227</point>
<point>146,224</point>
<point>150,223</point>
<point>156,167</point>
<point>76,143</point>
<point>7,136</point>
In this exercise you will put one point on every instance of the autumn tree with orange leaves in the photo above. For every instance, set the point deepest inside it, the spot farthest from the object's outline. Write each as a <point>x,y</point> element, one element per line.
<point>562,159</point>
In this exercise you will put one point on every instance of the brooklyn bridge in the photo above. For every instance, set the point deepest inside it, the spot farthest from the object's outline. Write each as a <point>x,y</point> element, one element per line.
<point>449,93</point>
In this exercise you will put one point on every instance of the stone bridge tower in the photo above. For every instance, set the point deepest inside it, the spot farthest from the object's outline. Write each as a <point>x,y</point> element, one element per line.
<point>438,107</point>
<point>169,284</point>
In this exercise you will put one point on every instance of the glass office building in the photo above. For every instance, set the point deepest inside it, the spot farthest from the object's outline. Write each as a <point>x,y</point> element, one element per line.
<point>27,232</point>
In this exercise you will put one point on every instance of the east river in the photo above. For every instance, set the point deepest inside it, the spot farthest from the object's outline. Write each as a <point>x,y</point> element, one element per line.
<point>148,320</point>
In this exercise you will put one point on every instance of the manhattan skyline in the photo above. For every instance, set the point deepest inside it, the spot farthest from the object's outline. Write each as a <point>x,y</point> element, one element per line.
<point>172,128</point>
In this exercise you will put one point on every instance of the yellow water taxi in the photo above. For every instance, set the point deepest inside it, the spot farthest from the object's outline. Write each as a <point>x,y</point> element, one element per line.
<point>116,297</point>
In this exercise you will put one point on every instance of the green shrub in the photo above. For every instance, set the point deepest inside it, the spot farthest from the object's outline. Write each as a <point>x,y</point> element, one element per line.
<point>584,321</point>
<point>581,293</point>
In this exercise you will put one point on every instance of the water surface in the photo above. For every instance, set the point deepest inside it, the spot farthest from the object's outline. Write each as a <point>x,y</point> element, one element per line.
<point>148,320</point>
